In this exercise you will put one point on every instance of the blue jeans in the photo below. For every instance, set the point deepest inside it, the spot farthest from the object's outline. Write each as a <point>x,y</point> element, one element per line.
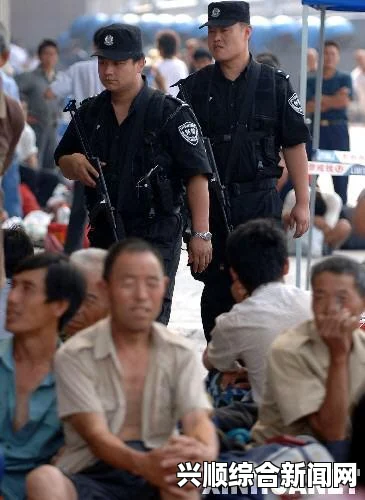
<point>10,185</point>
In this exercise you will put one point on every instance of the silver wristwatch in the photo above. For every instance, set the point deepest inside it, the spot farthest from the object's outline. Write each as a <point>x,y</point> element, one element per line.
<point>207,236</point>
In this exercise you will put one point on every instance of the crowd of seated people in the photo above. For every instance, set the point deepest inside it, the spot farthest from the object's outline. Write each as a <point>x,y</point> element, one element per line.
<point>99,401</point>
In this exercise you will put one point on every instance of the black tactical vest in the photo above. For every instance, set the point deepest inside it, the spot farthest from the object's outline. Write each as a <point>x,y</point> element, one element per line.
<point>258,154</point>
<point>143,187</point>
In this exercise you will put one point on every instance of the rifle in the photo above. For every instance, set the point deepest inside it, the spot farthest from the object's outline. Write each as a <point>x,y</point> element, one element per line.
<point>215,182</point>
<point>101,188</point>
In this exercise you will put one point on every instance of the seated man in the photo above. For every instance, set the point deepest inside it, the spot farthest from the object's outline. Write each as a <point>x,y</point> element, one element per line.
<point>90,261</point>
<point>330,229</point>
<point>123,385</point>
<point>266,306</point>
<point>17,246</point>
<point>315,371</point>
<point>45,293</point>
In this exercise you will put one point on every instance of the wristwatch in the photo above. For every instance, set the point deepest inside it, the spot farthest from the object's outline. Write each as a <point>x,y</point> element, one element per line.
<point>207,236</point>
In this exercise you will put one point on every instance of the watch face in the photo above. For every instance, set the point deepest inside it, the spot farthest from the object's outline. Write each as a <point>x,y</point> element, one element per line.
<point>207,236</point>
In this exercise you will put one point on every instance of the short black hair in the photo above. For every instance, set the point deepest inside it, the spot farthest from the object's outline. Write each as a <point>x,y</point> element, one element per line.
<point>47,42</point>
<point>339,264</point>
<point>269,59</point>
<point>63,281</point>
<point>129,245</point>
<point>168,41</point>
<point>202,53</point>
<point>257,251</point>
<point>332,43</point>
<point>17,246</point>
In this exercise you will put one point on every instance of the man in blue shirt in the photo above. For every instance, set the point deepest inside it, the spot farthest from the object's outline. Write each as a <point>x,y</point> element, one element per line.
<point>46,292</point>
<point>336,96</point>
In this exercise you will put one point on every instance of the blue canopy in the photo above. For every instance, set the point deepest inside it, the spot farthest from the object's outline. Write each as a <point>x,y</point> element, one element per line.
<point>345,5</point>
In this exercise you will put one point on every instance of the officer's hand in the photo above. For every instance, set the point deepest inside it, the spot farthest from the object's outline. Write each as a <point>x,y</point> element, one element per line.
<point>200,254</point>
<point>299,218</point>
<point>78,168</point>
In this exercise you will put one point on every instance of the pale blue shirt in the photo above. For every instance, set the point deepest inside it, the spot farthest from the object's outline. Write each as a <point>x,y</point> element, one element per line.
<point>40,438</point>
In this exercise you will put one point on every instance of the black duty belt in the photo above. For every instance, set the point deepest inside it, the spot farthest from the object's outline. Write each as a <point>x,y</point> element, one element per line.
<point>238,188</point>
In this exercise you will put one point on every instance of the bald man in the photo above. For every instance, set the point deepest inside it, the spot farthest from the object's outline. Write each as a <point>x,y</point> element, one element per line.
<point>90,262</point>
<point>312,60</point>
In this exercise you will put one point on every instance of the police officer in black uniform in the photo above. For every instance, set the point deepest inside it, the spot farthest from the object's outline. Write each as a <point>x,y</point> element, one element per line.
<point>250,112</point>
<point>149,147</point>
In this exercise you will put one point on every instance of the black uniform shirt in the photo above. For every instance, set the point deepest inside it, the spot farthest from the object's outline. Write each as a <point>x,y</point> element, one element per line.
<point>222,105</point>
<point>111,142</point>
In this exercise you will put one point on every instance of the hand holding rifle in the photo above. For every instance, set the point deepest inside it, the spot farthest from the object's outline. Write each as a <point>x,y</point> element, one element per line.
<point>87,168</point>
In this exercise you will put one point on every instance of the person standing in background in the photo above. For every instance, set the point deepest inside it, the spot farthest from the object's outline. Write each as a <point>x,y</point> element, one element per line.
<point>43,114</point>
<point>312,61</point>
<point>336,97</point>
<point>171,67</point>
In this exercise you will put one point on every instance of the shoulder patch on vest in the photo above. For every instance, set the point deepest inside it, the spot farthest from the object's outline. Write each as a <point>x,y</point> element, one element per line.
<point>189,132</point>
<point>282,74</point>
<point>294,103</point>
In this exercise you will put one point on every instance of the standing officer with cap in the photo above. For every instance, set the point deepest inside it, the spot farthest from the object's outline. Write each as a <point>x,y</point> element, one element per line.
<point>149,146</point>
<point>249,111</point>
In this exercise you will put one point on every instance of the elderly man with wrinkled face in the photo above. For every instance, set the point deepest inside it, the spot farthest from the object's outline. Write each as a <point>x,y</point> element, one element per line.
<point>90,261</point>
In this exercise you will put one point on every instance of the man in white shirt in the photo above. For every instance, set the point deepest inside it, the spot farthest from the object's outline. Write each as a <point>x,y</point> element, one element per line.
<point>80,80</point>
<point>171,67</point>
<point>266,306</point>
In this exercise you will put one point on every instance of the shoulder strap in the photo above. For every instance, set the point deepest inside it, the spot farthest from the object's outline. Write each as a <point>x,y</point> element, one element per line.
<point>253,76</point>
<point>153,121</point>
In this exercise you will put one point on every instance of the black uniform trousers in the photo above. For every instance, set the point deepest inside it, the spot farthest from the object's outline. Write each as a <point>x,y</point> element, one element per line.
<point>216,297</point>
<point>162,231</point>
<point>78,220</point>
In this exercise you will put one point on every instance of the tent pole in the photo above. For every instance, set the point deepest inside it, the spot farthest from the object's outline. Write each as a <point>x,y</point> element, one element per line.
<point>316,132</point>
<point>303,98</point>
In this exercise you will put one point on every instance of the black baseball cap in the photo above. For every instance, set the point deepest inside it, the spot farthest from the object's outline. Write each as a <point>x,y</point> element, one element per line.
<point>227,13</point>
<point>118,42</point>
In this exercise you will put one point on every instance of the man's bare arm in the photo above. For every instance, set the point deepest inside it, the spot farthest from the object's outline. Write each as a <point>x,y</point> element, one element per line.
<point>112,450</point>
<point>93,428</point>
<point>198,443</point>
<point>198,425</point>
<point>310,106</point>
<point>200,251</point>
<point>77,168</point>
<point>339,100</point>
<point>330,421</point>
<point>297,164</point>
